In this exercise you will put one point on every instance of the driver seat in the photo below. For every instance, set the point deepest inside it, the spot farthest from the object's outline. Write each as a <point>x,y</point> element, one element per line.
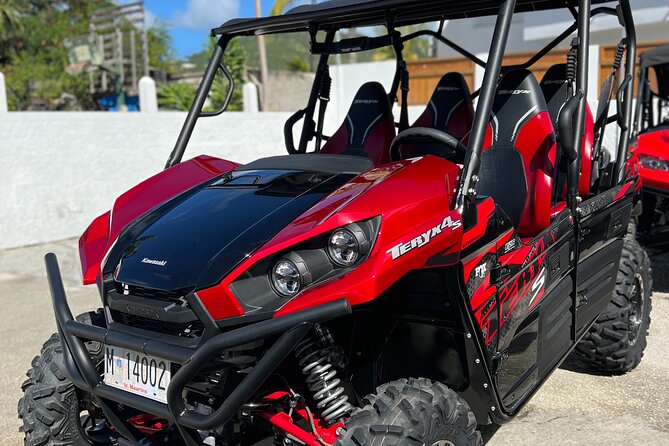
<point>450,110</point>
<point>369,127</point>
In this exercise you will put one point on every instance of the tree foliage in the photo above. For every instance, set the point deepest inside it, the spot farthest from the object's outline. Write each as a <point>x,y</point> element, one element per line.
<point>234,60</point>
<point>33,56</point>
<point>281,6</point>
<point>10,17</point>
<point>176,96</point>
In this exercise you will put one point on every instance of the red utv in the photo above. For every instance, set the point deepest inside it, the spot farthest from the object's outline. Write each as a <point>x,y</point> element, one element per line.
<point>390,283</point>
<point>650,149</point>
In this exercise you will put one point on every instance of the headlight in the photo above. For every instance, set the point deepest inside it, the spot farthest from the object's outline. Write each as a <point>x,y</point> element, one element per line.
<point>650,162</point>
<point>347,245</point>
<point>286,278</point>
<point>268,284</point>
<point>344,248</point>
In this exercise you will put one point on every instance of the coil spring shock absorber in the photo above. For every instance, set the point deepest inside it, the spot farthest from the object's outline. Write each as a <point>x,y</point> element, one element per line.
<point>314,355</point>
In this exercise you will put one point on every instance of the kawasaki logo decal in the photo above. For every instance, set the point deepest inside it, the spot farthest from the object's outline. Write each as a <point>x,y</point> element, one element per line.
<point>425,238</point>
<point>154,262</point>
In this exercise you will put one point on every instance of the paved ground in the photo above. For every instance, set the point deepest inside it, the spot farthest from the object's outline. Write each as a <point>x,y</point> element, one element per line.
<point>573,408</point>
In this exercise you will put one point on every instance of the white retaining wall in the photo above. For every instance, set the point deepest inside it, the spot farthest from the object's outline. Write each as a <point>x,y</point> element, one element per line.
<point>58,171</point>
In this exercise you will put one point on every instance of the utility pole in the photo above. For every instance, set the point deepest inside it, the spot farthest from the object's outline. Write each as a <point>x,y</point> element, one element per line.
<point>264,72</point>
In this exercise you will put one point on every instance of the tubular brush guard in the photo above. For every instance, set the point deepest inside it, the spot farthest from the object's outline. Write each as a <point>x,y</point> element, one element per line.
<point>83,373</point>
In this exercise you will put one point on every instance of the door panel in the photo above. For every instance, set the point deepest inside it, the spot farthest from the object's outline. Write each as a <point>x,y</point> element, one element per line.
<point>596,282</point>
<point>602,230</point>
<point>535,311</point>
<point>555,325</point>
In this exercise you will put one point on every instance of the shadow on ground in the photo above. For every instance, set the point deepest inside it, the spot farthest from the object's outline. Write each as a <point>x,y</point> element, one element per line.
<point>660,262</point>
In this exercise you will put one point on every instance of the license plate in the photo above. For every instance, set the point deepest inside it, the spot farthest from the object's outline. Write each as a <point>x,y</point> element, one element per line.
<point>137,373</point>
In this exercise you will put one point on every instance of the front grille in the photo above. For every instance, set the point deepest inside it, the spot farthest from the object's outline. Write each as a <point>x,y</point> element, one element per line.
<point>189,330</point>
<point>150,293</point>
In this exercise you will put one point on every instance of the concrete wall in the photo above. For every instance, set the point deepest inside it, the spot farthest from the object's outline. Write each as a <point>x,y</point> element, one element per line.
<point>60,170</point>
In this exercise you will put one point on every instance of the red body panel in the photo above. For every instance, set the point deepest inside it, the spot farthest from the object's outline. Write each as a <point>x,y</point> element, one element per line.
<point>655,144</point>
<point>98,238</point>
<point>586,155</point>
<point>402,193</point>
<point>92,247</point>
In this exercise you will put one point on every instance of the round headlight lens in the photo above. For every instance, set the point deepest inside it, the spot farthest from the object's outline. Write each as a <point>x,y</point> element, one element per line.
<point>286,278</point>
<point>650,162</point>
<point>343,247</point>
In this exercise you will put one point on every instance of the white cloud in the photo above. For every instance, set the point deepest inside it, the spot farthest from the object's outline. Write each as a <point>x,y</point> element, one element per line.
<point>204,15</point>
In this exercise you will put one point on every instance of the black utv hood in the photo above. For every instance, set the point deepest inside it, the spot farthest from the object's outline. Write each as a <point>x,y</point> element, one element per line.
<point>197,238</point>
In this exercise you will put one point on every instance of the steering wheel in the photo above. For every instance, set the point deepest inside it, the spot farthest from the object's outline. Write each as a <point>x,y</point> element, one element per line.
<point>423,135</point>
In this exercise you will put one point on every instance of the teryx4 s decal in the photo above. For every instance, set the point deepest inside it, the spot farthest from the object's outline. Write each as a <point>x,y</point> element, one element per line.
<point>418,242</point>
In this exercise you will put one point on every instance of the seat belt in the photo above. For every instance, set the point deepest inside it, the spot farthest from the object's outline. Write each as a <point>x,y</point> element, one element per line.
<point>404,86</point>
<point>324,98</point>
<point>603,106</point>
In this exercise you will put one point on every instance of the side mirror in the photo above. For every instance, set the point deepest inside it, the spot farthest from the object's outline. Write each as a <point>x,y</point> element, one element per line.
<point>567,127</point>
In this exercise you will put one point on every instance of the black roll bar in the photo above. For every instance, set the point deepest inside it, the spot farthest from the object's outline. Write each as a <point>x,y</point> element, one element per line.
<point>627,98</point>
<point>437,35</point>
<point>582,71</point>
<point>481,118</point>
<point>309,125</point>
<point>198,103</point>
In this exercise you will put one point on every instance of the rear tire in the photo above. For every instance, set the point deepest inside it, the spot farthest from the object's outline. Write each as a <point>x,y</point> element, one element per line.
<point>616,342</point>
<point>412,412</point>
<point>51,406</point>
<point>632,229</point>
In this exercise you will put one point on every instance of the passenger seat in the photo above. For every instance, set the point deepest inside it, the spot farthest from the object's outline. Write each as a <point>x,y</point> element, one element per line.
<point>369,127</point>
<point>557,91</point>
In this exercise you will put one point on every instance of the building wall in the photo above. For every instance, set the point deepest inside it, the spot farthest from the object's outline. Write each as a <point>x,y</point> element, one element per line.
<point>531,31</point>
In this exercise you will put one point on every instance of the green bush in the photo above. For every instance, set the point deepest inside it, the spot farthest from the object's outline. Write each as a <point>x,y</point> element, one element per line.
<point>176,96</point>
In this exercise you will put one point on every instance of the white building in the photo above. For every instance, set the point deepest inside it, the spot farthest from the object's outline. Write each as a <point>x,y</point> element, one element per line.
<point>532,31</point>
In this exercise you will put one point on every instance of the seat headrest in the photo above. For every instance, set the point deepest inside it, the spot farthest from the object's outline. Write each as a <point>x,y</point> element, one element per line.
<point>518,99</point>
<point>556,89</point>
<point>451,92</point>
<point>555,77</point>
<point>370,106</point>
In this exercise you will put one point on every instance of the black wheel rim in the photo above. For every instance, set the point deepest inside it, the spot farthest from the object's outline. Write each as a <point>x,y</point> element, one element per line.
<point>636,312</point>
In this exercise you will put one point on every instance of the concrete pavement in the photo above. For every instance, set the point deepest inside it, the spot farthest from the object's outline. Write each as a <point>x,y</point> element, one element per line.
<point>573,407</point>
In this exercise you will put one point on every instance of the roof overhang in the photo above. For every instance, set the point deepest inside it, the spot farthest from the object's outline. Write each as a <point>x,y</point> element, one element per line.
<point>339,14</point>
<point>657,56</point>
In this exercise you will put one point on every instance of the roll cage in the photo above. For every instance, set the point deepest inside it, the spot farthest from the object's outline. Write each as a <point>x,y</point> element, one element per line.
<point>324,20</point>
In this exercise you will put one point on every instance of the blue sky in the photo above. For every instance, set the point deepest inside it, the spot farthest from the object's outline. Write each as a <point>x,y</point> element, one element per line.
<point>190,21</point>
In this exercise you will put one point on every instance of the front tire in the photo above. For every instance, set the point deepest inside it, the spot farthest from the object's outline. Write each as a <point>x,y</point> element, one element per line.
<point>412,412</point>
<point>52,409</point>
<point>616,342</point>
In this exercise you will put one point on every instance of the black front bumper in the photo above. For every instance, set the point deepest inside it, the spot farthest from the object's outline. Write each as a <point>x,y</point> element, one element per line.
<point>81,370</point>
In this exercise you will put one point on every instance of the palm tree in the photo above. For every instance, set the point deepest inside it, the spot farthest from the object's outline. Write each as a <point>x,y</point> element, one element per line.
<point>10,17</point>
<point>280,6</point>
<point>264,71</point>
